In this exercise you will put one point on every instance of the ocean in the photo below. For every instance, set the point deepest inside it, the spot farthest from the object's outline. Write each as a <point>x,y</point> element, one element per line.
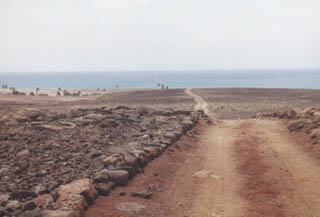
<point>300,79</point>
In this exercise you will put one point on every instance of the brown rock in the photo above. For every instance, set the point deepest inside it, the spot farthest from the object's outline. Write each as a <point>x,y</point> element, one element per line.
<point>307,112</point>
<point>113,160</point>
<point>104,188</point>
<point>34,115</point>
<point>74,202</point>
<point>58,213</point>
<point>315,133</point>
<point>143,194</point>
<point>30,205</point>
<point>296,125</point>
<point>44,201</point>
<point>76,196</point>
<point>119,177</point>
<point>317,115</point>
<point>101,177</point>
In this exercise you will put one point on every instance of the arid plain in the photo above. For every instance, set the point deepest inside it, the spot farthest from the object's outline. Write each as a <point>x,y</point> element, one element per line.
<point>248,152</point>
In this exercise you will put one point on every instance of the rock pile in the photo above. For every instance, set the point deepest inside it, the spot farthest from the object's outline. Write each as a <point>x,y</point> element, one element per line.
<point>306,120</point>
<point>55,164</point>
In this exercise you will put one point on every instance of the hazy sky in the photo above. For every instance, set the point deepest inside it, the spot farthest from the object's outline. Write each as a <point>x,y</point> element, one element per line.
<point>102,35</point>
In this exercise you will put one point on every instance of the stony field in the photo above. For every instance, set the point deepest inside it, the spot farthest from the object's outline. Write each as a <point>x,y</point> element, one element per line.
<point>241,103</point>
<point>46,144</point>
<point>60,153</point>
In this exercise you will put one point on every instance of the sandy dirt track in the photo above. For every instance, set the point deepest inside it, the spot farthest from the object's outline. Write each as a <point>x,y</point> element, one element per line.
<point>200,103</point>
<point>237,168</point>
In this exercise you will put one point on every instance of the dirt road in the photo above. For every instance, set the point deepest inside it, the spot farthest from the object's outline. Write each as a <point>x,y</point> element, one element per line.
<point>237,168</point>
<point>200,103</point>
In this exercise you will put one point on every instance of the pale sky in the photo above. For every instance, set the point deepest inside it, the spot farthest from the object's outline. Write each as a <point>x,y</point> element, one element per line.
<point>109,35</point>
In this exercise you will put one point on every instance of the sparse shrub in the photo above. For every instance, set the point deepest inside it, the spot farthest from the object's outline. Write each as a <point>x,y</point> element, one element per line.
<point>66,93</point>
<point>15,92</point>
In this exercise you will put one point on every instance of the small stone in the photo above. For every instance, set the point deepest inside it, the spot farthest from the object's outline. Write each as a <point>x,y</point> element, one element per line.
<point>44,200</point>
<point>143,194</point>
<point>23,154</point>
<point>201,174</point>
<point>4,199</point>
<point>95,154</point>
<point>2,212</point>
<point>31,205</point>
<point>40,189</point>
<point>130,207</point>
<point>12,205</point>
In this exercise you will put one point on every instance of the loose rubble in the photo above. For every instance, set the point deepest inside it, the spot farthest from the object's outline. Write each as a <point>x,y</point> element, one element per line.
<point>56,164</point>
<point>306,120</point>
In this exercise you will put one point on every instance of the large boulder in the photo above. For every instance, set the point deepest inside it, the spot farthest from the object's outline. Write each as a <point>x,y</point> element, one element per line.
<point>76,196</point>
<point>73,202</point>
<point>119,177</point>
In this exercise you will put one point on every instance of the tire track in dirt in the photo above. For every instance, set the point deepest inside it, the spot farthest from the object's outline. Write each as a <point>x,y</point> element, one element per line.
<point>280,180</point>
<point>200,103</point>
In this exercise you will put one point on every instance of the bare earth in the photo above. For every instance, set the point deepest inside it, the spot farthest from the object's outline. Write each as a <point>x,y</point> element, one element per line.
<point>235,168</point>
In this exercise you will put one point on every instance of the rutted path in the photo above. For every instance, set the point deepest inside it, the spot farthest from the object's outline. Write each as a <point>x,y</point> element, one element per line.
<point>237,168</point>
<point>200,103</point>
<point>247,168</point>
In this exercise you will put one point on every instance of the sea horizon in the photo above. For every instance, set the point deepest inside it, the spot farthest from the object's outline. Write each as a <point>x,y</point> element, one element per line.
<point>287,79</point>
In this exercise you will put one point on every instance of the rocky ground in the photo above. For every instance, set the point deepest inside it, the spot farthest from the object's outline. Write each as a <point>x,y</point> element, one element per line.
<point>57,155</point>
<point>44,148</point>
<point>304,124</point>
<point>243,103</point>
